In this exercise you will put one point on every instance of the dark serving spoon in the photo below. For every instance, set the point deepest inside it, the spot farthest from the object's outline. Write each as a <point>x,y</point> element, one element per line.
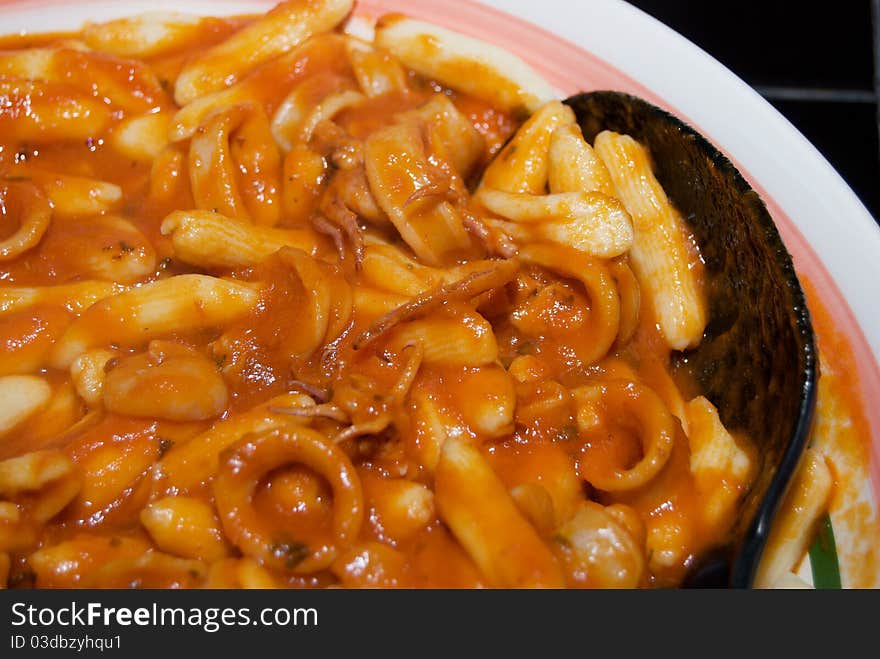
<point>757,360</point>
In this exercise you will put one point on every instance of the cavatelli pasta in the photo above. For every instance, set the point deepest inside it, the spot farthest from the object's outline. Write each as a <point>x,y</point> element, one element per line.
<point>272,314</point>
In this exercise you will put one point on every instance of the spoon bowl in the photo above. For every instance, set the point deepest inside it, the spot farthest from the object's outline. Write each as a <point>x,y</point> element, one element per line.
<point>757,360</point>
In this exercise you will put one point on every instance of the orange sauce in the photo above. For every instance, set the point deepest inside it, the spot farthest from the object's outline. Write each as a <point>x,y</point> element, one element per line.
<point>118,455</point>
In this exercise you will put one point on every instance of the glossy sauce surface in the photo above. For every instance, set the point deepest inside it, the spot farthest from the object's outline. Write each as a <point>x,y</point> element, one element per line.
<point>128,462</point>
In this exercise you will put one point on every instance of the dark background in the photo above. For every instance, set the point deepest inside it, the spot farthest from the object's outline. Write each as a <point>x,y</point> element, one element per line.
<point>817,63</point>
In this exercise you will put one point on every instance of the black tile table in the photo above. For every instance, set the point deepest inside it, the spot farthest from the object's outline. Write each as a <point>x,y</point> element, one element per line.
<point>815,62</point>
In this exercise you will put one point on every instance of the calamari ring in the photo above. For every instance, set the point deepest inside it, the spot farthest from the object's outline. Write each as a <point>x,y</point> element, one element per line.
<point>630,299</point>
<point>235,166</point>
<point>244,465</point>
<point>593,341</point>
<point>643,409</point>
<point>34,214</point>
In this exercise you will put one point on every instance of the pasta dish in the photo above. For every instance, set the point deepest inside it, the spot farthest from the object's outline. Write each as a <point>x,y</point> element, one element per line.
<point>283,305</point>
